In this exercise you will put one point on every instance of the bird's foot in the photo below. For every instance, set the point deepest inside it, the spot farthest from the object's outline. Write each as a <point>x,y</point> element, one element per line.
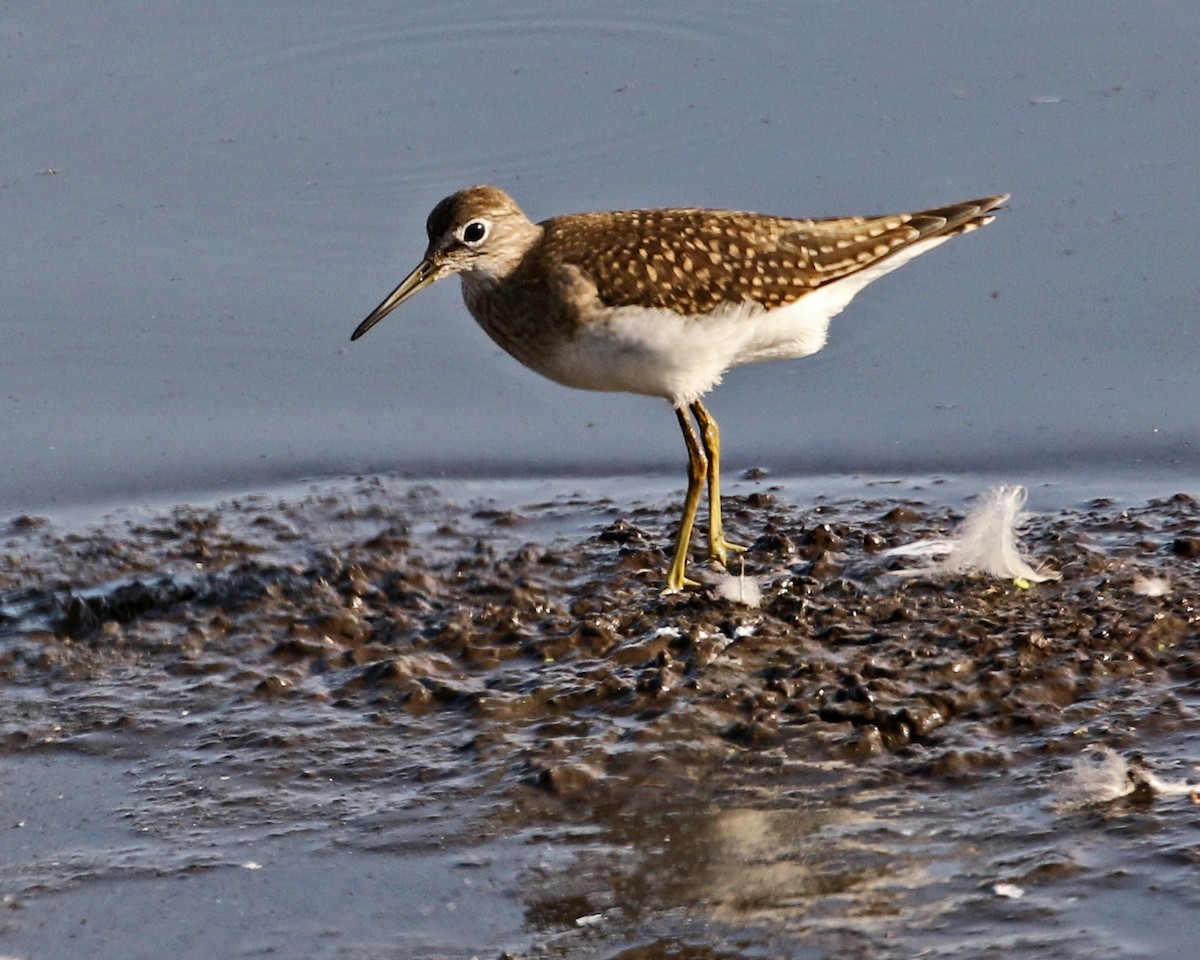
<point>671,587</point>
<point>719,549</point>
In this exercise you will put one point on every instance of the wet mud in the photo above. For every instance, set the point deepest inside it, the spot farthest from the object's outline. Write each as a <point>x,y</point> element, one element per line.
<point>860,765</point>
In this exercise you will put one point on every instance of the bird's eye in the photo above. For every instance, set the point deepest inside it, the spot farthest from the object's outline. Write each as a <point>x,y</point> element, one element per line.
<point>475,231</point>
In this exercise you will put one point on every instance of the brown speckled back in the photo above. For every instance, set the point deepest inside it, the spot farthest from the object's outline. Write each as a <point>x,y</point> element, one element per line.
<point>692,261</point>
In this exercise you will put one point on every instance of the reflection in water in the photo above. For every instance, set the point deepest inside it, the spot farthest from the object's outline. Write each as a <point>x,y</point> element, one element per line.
<point>345,665</point>
<point>809,865</point>
<point>763,862</point>
<point>820,877</point>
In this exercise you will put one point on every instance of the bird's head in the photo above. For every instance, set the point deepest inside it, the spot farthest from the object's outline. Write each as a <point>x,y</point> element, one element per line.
<point>479,231</point>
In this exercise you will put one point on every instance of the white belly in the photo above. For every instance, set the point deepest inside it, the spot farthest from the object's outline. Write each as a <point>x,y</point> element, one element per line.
<point>660,353</point>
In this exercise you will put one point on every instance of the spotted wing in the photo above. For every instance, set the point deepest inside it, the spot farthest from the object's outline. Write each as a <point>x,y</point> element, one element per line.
<point>693,261</point>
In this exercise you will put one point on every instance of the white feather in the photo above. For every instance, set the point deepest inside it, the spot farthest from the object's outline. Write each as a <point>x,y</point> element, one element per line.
<point>985,542</point>
<point>742,590</point>
<point>1104,775</point>
<point>1099,777</point>
<point>1149,586</point>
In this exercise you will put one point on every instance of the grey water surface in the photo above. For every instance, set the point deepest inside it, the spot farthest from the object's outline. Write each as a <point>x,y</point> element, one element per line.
<point>202,200</point>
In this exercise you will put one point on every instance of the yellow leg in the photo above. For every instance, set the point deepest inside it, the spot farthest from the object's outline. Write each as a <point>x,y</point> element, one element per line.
<point>697,471</point>
<point>718,547</point>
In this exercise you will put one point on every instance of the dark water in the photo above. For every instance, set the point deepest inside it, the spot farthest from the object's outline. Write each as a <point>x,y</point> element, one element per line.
<point>381,719</point>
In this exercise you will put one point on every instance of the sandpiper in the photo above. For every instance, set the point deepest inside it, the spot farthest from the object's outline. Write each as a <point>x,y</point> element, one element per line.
<point>663,302</point>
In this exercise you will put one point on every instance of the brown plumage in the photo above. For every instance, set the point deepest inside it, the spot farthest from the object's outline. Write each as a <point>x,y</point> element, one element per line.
<point>691,261</point>
<point>663,302</point>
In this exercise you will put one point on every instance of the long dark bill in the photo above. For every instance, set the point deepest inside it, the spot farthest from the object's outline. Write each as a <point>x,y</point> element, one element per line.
<point>420,278</point>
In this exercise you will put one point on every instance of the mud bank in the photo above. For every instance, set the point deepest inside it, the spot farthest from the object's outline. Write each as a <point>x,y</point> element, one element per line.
<point>854,767</point>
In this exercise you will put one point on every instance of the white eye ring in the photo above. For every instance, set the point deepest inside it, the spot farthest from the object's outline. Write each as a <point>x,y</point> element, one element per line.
<point>474,232</point>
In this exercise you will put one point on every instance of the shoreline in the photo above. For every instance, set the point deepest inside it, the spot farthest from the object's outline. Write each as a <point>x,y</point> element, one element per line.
<point>483,680</point>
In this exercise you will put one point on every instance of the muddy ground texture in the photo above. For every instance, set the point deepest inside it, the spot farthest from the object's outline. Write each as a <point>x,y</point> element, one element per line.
<point>383,632</point>
<point>403,606</point>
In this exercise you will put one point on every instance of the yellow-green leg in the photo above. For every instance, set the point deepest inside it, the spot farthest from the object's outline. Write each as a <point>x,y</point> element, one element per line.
<point>718,547</point>
<point>697,473</point>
